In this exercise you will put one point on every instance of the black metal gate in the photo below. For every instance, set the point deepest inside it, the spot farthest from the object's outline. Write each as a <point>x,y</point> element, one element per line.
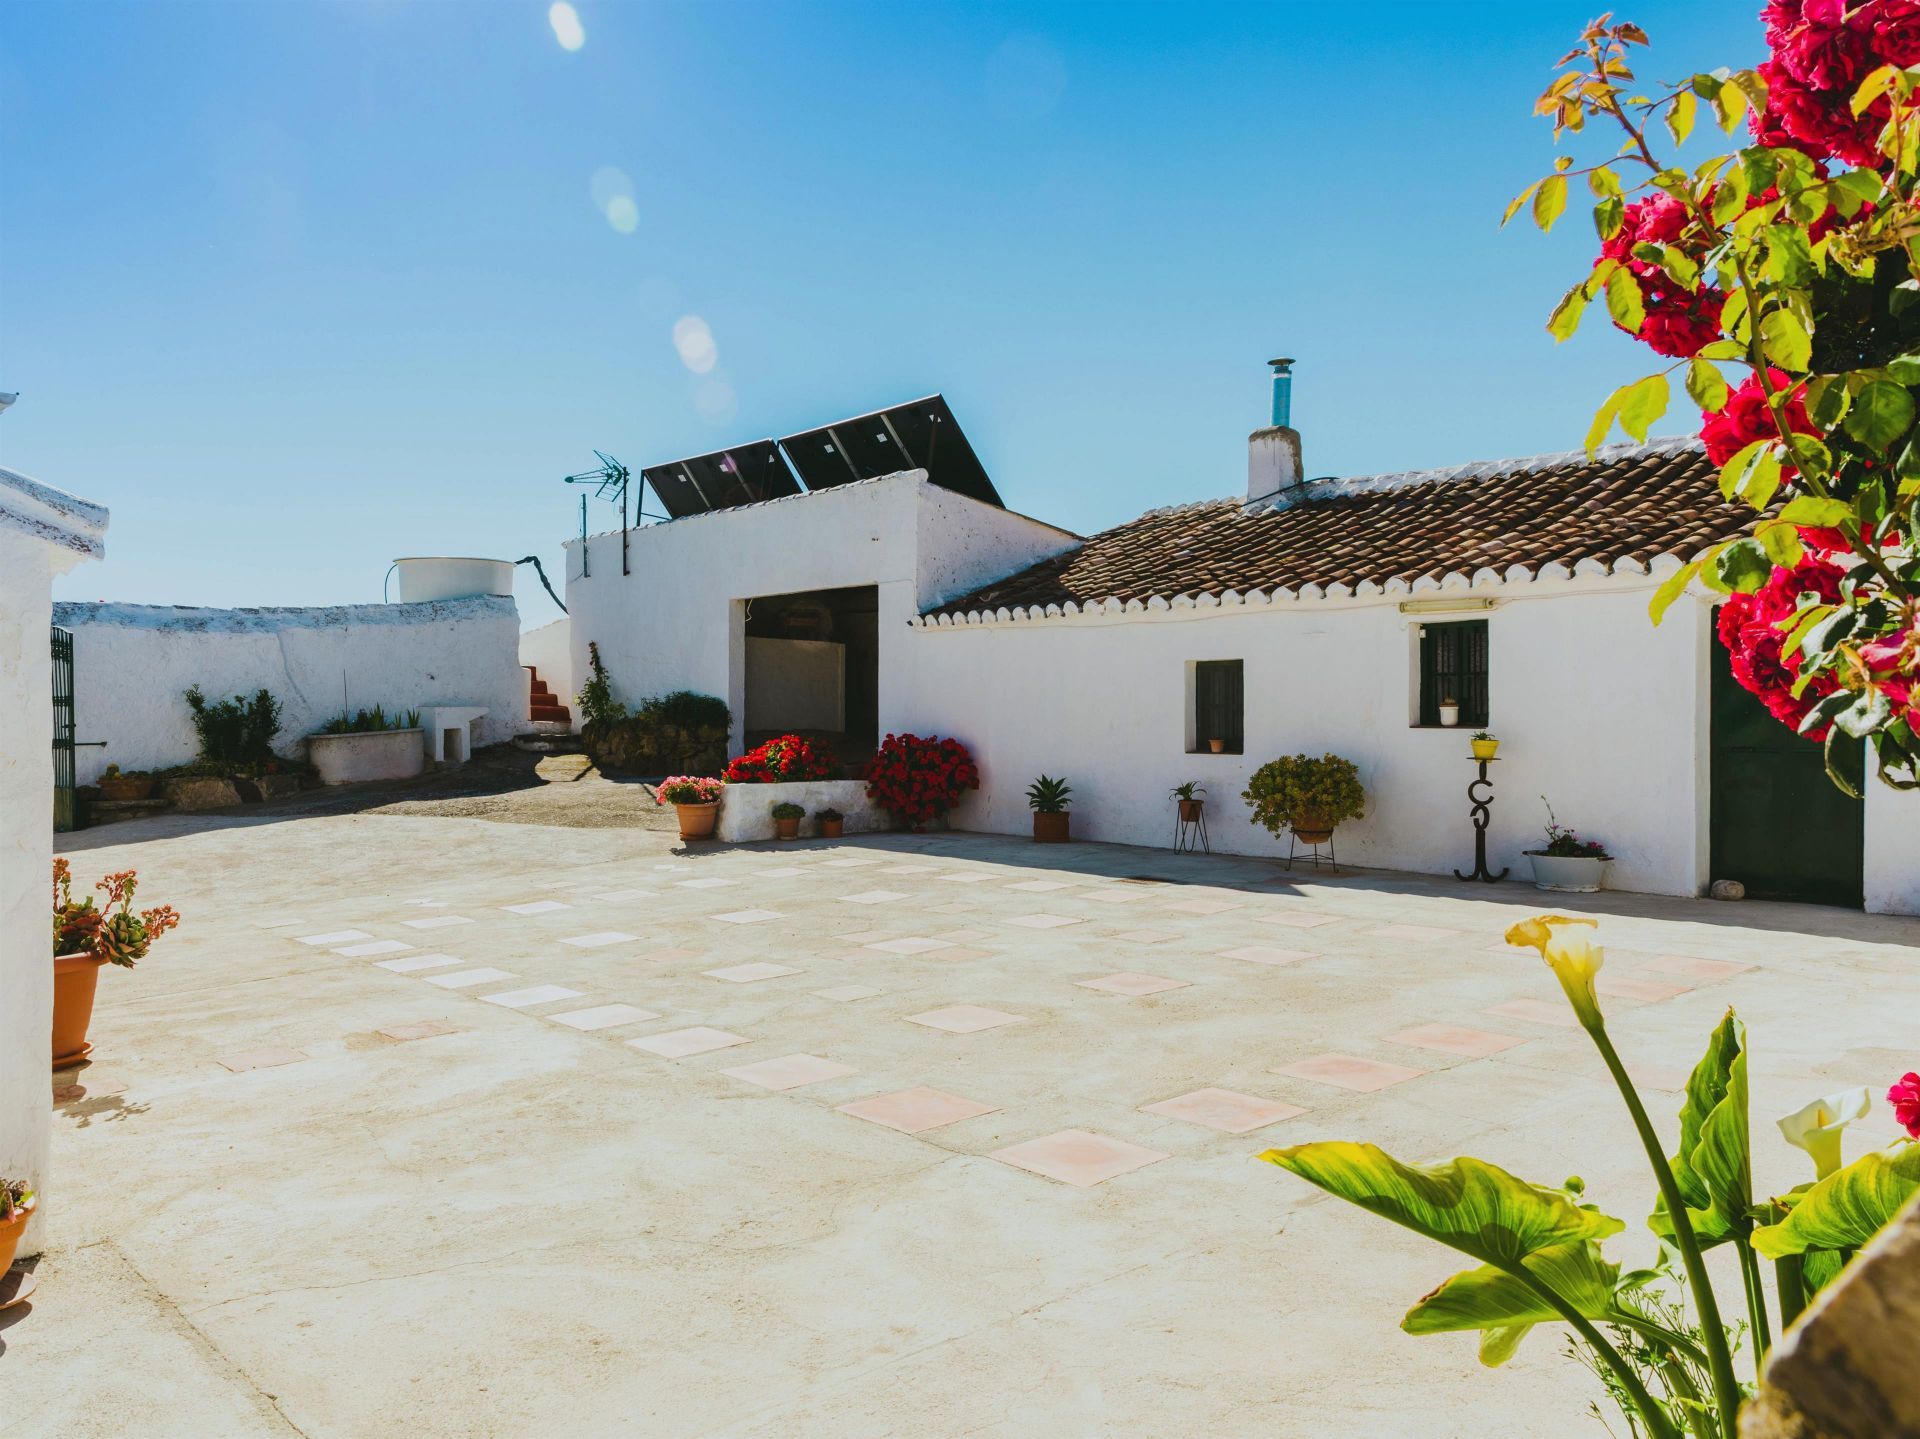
<point>65,812</point>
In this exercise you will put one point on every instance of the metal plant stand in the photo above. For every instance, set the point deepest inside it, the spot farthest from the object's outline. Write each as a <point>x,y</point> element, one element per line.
<point>1315,858</point>
<point>1480,797</point>
<point>1190,834</point>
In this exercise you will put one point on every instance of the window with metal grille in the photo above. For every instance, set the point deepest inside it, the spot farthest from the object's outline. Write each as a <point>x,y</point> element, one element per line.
<point>1453,668</point>
<point>1217,706</point>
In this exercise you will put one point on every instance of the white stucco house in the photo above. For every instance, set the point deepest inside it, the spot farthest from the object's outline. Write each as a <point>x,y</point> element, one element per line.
<point>43,532</point>
<point>1294,616</point>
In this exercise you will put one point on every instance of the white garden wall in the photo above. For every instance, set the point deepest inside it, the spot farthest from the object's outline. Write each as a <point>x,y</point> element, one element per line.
<point>746,810</point>
<point>133,664</point>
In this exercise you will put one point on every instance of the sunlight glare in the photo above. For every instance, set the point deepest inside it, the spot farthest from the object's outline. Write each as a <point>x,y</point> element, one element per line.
<point>567,28</point>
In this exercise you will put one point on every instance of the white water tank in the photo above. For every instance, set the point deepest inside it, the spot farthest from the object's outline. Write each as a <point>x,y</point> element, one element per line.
<point>451,577</point>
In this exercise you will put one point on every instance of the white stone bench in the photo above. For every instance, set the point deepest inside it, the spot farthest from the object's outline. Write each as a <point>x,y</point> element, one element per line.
<point>449,731</point>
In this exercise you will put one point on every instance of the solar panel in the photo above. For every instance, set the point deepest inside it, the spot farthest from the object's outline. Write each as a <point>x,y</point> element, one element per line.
<point>920,435</point>
<point>742,475</point>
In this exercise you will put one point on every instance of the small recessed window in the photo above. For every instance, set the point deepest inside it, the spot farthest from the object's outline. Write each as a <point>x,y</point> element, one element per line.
<point>1453,670</point>
<point>1217,707</point>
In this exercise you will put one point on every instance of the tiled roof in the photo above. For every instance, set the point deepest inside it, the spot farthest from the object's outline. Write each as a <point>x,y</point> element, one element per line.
<point>1497,521</point>
<point>60,519</point>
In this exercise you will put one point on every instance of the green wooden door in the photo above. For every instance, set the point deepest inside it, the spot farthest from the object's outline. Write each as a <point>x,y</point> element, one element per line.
<point>1777,823</point>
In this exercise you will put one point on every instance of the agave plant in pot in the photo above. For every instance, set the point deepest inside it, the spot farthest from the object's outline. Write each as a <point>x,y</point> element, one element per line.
<point>1306,795</point>
<point>1049,799</point>
<point>87,936</point>
<point>1189,795</point>
<point>695,800</point>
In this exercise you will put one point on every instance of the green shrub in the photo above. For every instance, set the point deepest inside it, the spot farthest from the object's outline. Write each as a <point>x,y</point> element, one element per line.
<point>786,809</point>
<point>596,701</point>
<point>373,721</point>
<point>684,709</point>
<point>236,735</point>
<point>1305,792</point>
<point>678,733</point>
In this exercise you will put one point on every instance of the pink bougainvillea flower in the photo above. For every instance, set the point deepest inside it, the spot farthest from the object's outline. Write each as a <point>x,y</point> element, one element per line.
<point>1905,1099</point>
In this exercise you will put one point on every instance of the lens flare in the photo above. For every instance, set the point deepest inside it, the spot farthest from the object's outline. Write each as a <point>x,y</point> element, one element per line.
<point>612,194</point>
<point>567,28</point>
<point>694,341</point>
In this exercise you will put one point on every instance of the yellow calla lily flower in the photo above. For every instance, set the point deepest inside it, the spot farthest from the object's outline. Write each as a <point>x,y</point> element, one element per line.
<point>1573,957</point>
<point>1817,1127</point>
<point>1536,931</point>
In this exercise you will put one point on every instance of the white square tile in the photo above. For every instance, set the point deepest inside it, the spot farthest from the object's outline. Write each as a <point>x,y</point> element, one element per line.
<point>537,906</point>
<point>874,896</point>
<point>679,1043</point>
<point>415,962</point>
<point>749,973</point>
<point>780,871</point>
<point>466,977</point>
<point>851,861</point>
<point>846,993</point>
<point>1042,921</point>
<point>911,869</point>
<point>791,1071</point>
<point>747,916</point>
<point>339,936</point>
<point>1039,886</point>
<point>438,921</point>
<point>619,896</point>
<point>599,940</point>
<point>712,882</point>
<point>371,947</point>
<point>603,1016</point>
<point>967,876</point>
<point>964,1018</point>
<point>911,945</point>
<point>526,998</point>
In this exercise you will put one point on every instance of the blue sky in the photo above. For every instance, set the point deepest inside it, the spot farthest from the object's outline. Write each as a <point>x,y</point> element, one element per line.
<point>295,288</point>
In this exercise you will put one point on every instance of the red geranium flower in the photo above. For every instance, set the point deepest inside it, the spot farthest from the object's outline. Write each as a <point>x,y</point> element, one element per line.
<point>1905,1099</point>
<point>1678,321</point>
<point>1745,418</point>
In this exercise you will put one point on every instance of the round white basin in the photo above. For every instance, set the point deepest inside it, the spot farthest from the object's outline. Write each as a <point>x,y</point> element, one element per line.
<point>451,577</point>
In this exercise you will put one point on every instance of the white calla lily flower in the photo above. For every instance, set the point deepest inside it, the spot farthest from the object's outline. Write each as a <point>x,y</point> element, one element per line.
<point>1817,1127</point>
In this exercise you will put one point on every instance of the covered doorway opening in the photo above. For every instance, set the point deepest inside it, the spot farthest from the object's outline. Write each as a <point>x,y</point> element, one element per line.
<point>813,668</point>
<point>1776,822</point>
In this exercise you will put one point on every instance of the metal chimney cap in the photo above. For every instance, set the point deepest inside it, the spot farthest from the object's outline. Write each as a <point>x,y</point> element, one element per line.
<point>1280,364</point>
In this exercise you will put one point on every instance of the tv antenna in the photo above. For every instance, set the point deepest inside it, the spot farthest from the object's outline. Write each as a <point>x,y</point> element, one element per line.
<point>610,482</point>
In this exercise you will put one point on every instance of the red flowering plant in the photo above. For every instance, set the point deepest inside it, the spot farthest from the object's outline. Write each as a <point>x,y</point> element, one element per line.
<point>1905,1099</point>
<point>918,778</point>
<point>1794,264</point>
<point>785,760</point>
<point>114,932</point>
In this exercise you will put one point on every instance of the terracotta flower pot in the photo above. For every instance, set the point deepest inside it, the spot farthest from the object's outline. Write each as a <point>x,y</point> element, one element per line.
<point>1217,746</point>
<point>1050,828</point>
<point>1190,810</point>
<point>11,1230</point>
<point>1312,829</point>
<point>786,829</point>
<point>126,787</point>
<point>74,978</point>
<point>697,820</point>
<point>832,828</point>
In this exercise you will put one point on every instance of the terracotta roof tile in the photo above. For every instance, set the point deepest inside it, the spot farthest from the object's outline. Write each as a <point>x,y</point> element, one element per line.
<point>1635,502</point>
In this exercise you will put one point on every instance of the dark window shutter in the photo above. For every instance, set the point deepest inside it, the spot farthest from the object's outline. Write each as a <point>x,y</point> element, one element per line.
<point>1219,703</point>
<point>1453,663</point>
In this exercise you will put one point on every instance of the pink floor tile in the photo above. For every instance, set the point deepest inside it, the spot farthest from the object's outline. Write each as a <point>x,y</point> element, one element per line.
<point>1113,896</point>
<point>1454,1039</point>
<point>538,906</point>
<point>790,1072</point>
<point>1145,936</point>
<point>910,869</point>
<point>967,876</point>
<point>963,955</point>
<point>711,882</point>
<point>780,871</point>
<point>847,993</point>
<point>1556,1012</point>
<point>1296,919</point>
<point>912,1110</point>
<point>1205,906</point>
<point>1132,984</point>
<point>1688,966</point>
<point>912,944</point>
<point>747,916</point>
<point>438,921</point>
<point>1344,1071</point>
<point>1420,932</point>
<point>679,1043</point>
<point>1076,1157</point>
<point>659,956</point>
<point>875,896</point>
<point>1042,921</point>
<point>527,998</point>
<point>1039,886</point>
<point>749,973</point>
<point>964,936</point>
<point>260,1059</point>
<point>424,1029</point>
<point>963,1018</point>
<point>603,1016</point>
<point>339,936</point>
<point>466,978</point>
<point>1260,954</point>
<point>409,963</point>
<point>1637,986</point>
<point>1223,1109</point>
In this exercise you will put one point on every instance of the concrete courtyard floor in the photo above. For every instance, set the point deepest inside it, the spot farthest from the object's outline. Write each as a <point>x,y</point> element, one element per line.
<point>351,1161</point>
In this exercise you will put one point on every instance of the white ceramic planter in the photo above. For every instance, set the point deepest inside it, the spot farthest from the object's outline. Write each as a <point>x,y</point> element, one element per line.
<point>746,810</point>
<point>381,754</point>
<point>1571,875</point>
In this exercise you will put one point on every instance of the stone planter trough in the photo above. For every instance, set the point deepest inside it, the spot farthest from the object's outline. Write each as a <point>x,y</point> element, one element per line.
<point>378,754</point>
<point>746,810</point>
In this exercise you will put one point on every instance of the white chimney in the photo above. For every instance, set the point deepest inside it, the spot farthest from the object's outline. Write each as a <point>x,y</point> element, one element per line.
<point>1273,454</point>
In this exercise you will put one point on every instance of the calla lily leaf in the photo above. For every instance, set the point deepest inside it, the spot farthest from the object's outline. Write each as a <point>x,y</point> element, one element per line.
<point>1713,1165</point>
<point>1504,1309</point>
<point>1848,1207</point>
<point>1467,1204</point>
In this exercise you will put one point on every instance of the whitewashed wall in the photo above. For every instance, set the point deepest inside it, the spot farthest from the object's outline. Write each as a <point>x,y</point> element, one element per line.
<point>549,649</point>
<point>1893,849</point>
<point>1594,708</point>
<point>677,621</point>
<point>132,664</point>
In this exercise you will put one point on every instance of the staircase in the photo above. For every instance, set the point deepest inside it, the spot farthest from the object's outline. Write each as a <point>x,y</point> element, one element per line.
<point>543,708</point>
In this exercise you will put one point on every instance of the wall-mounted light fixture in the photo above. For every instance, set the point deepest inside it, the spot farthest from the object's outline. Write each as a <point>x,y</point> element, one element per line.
<point>1478,604</point>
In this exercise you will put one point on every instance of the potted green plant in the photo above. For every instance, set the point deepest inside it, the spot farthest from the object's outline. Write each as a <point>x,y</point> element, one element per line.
<point>368,744</point>
<point>1307,795</point>
<point>16,1208</point>
<point>1049,799</point>
<point>695,801</point>
<point>832,823</point>
<point>1188,796</point>
<point>1568,862</point>
<point>1485,746</point>
<point>786,819</point>
<point>121,786</point>
<point>87,936</point>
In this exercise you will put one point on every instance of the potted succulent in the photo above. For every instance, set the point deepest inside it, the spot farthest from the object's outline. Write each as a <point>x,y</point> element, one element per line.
<point>121,785</point>
<point>786,819</point>
<point>1307,795</point>
<point>1049,799</point>
<point>1188,796</point>
<point>831,822</point>
<point>84,938</point>
<point>695,800</point>
<point>1568,862</point>
<point>16,1208</point>
<point>1485,746</point>
<point>1449,711</point>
